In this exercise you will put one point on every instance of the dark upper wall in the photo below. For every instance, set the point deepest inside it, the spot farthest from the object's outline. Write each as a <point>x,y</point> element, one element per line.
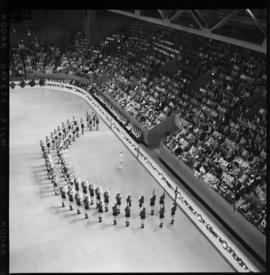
<point>106,23</point>
<point>55,26</point>
<point>58,26</point>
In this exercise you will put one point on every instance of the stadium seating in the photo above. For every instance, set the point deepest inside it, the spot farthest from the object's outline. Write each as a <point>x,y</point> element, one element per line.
<point>147,71</point>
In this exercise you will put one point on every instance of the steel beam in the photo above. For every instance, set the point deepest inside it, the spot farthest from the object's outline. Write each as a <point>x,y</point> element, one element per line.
<point>196,19</point>
<point>176,15</point>
<point>225,20</point>
<point>255,20</point>
<point>161,14</point>
<point>203,32</point>
<point>201,17</point>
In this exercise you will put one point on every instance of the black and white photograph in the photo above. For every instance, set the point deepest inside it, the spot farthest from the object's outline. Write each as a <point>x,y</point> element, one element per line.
<point>137,140</point>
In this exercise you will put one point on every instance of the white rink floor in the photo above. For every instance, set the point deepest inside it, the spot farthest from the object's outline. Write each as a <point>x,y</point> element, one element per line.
<point>44,237</point>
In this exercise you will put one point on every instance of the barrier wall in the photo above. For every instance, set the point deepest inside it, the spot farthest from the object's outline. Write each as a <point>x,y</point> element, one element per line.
<point>180,122</point>
<point>242,227</point>
<point>60,76</point>
<point>125,113</point>
<point>157,133</point>
<point>151,136</point>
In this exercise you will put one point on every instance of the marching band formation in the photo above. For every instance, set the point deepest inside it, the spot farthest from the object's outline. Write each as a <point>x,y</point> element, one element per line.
<point>81,195</point>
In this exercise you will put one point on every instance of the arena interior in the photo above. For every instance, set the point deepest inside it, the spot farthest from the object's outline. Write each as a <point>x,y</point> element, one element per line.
<point>167,106</point>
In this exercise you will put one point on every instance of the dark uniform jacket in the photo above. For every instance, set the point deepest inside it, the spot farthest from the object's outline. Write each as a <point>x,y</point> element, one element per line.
<point>161,213</point>
<point>142,214</point>
<point>63,194</point>
<point>161,199</point>
<point>152,200</point>
<point>92,191</point>
<point>118,200</point>
<point>106,197</point>
<point>84,188</point>
<point>115,210</point>
<point>173,209</point>
<point>70,196</point>
<point>127,211</point>
<point>77,188</point>
<point>100,208</point>
<point>86,204</point>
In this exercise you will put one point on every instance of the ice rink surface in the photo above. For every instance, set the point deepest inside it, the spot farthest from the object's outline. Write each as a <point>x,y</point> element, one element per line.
<point>44,237</point>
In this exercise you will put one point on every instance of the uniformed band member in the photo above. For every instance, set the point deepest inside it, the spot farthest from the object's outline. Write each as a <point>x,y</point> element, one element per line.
<point>86,206</point>
<point>77,130</point>
<point>121,159</point>
<point>142,214</point>
<point>106,200</point>
<point>141,201</point>
<point>73,134</point>
<point>77,185</point>
<point>65,144</point>
<point>152,202</point>
<point>64,131</point>
<point>173,210</point>
<point>92,192</point>
<point>100,210</point>
<point>69,176</point>
<point>128,200</point>
<point>71,198</point>
<point>127,214</point>
<point>161,215</point>
<point>43,149</point>
<point>94,120</point>
<point>79,199</point>
<point>69,127</point>
<point>60,136</point>
<point>63,195</point>
<point>48,144</point>
<point>55,185</point>
<point>98,192</point>
<point>90,123</point>
<point>118,198</point>
<point>49,165</point>
<point>87,119</point>
<point>84,187</point>
<point>82,126</point>
<point>162,200</point>
<point>97,122</point>
<point>53,141</point>
<point>69,138</point>
<point>115,213</point>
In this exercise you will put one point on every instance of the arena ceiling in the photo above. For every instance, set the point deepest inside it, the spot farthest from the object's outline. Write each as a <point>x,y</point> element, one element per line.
<point>241,27</point>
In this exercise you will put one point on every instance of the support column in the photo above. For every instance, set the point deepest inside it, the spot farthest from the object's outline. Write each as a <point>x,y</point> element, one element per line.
<point>91,30</point>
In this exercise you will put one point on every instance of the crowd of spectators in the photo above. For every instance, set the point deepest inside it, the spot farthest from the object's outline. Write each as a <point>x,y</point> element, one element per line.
<point>224,150</point>
<point>147,69</point>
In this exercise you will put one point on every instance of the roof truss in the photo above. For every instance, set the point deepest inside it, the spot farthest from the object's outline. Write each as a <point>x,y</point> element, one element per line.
<point>201,21</point>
